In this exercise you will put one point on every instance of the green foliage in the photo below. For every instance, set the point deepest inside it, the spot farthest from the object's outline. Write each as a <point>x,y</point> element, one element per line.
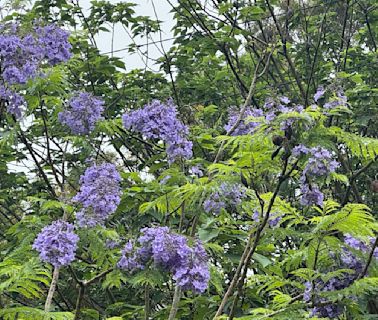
<point>24,278</point>
<point>26,313</point>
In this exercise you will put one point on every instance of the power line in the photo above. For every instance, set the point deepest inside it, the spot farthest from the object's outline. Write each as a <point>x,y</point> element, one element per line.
<point>143,44</point>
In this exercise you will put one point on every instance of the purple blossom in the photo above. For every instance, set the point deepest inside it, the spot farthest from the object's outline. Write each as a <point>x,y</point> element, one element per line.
<point>196,170</point>
<point>329,311</point>
<point>270,116</point>
<point>193,274</point>
<point>311,195</point>
<point>269,103</point>
<point>360,245</point>
<point>355,243</point>
<point>233,192</point>
<point>331,104</point>
<point>274,107</point>
<point>284,99</point>
<point>339,100</point>
<point>13,101</point>
<point>169,252</point>
<point>19,58</point>
<point>22,55</point>
<point>245,126</point>
<point>57,243</point>
<point>321,163</point>
<point>271,109</point>
<point>274,220</point>
<point>165,179</point>
<point>226,194</point>
<point>214,203</point>
<point>10,44</point>
<point>375,253</point>
<point>256,216</point>
<point>54,40</point>
<point>159,121</point>
<point>99,194</point>
<point>319,93</point>
<point>299,150</point>
<point>347,261</point>
<point>129,260</point>
<point>162,246</point>
<point>285,124</point>
<point>111,244</point>
<point>180,148</point>
<point>82,114</point>
<point>14,75</point>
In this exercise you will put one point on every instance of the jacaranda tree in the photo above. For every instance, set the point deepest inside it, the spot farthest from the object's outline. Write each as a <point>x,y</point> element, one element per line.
<point>238,182</point>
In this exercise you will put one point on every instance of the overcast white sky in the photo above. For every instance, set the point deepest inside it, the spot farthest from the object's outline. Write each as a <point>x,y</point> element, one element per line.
<point>122,39</point>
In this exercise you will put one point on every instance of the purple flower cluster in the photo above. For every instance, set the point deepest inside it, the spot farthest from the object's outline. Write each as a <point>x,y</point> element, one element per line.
<point>22,55</point>
<point>129,261</point>
<point>14,101</point>
<point>339,100</point>
<point>311,195</point>
<point>111,244</point>
<point>299,150</point>
<point>347,261</point>
<point>226,194</point>
<point>157,120</point>
<point>193,274</point>
<point>245,126</point>
<point>319,93</point>
<point>320,164</point>
<point>360,245</point>
<point>271,109</point>
<point>169,252</point>
<point>196,171</point>
<point>273,220</point>
<point>54,40</point>
<point>57,243</point>
<point>214,203</point>
<point>329,311</point>
<point>274,107</point>
<point>99,194</point>
<point>82,114</point>
<point>162,246</point>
